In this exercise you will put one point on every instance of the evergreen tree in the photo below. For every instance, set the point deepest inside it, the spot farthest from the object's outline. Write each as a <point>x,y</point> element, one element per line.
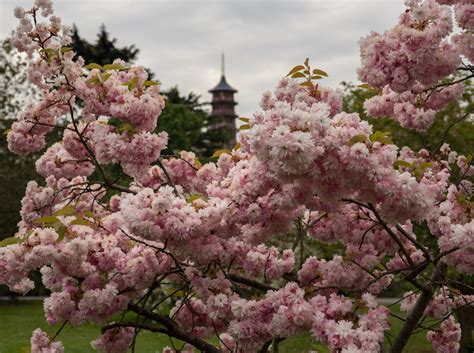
<point>104,50</point>
<point>189,126</point>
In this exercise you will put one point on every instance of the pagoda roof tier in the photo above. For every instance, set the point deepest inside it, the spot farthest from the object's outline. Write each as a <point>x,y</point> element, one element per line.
<point>223,86</point>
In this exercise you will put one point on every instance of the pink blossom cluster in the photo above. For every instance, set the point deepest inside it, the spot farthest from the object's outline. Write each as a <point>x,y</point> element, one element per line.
<point>49,32</point>
<point>454,226</point>
<point>28,132</point>
<point>122,95</point>
<point>41,343</point>
<point>85,271</point>
<point>134,152</point>
<point>211,241</point>
<point>264,262</point>
<point>452,2</point>
<point>298,139</point>
<point>114,340</point>
<point>286,312</point>
<point>464,14</point>
<point>365,335</point>
<point>186,349</point>
<point>442,305</point>
<point>414,51</point>
<point>115,91</point>
<point>414,109</point>
<point>279,314</point>
<point>56,194</point>
<point>56,161</point>
<point>447,339</point>
<point>325,275</point>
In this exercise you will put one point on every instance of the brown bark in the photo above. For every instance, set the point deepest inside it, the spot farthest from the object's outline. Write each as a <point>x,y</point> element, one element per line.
<point>417,312</point>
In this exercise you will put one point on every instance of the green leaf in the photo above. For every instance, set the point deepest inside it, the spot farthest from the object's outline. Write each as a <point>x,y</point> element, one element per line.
<point>9,241</point>
<point>149,83</point>
<point>95,80</point>
<point>28,233</point>
<point>62,229</point>
<point>365,85</point>
<point>65,49</point>
<point>66,211</point>
<point>133,83</point>
<point>105,76</point>
<point>244,127</point>
<point>236,147</point>
<point>197,163</point>
<point>246,120</point>
<point>400,163</point>
<point>128,127</point>
<point>222,151</point>
<point>381,136</point>
<point>425,165</point>
<point>193,197</point>
<point>48,51</point>
<point>46,220</point>
<point>114,67</point>
<point>357,138</point>
<point>307,84</point>
<point>93,66</point>
<point>7,131</point>
<point>114,122</point>
<point>89,214</point>
<point>306,62</point>
<point>316,77</point>
<point>320,72</point>
<point>82,222</point>
<point>295,69</point>
<point>417,173</point>
<point>468,159</point>
<point>297,75</point>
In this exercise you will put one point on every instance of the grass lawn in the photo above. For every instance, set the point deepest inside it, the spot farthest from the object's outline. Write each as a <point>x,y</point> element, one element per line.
<point>17,321</point>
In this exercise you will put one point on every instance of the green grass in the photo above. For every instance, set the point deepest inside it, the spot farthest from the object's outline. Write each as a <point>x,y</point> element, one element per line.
<point>17,321</point>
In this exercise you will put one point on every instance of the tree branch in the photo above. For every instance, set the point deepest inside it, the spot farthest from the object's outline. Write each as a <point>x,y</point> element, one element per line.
<point>250,282</point>
<point>417,312</point>
<point>469,111</point>
<point>173,330</point>
<point>136,325</point>
<point>107,181</point>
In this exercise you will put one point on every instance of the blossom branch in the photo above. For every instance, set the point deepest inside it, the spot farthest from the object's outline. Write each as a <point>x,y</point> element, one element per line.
<point>107,181</point>
<point>135,325</point>
<point>417,312</point>
<point>173,330</point>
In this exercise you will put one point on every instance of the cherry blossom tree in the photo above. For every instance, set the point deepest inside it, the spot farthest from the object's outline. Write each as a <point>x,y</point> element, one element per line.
<point>197,239</point>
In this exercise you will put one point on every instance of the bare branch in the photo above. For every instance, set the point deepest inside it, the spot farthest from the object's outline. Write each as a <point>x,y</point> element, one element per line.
<point>173,330</point>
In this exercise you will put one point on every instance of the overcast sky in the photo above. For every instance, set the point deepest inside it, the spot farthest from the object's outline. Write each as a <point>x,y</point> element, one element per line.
<point>182,41</point>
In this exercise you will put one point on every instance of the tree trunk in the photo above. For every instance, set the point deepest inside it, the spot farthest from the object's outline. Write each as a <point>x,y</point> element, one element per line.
<point>465,316</point>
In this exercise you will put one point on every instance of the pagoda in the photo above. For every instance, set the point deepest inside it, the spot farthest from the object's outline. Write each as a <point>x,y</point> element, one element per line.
<point>223,106</point>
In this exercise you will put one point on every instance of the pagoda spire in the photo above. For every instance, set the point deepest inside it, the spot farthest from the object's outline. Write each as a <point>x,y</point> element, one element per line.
<point>222,64</point>
<point>223,104</point>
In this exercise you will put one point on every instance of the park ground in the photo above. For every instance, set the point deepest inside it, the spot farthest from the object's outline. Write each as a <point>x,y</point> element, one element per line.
<point>17,321</point>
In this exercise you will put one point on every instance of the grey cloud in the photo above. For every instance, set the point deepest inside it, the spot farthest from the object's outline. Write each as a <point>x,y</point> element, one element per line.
<point>181,40</point>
